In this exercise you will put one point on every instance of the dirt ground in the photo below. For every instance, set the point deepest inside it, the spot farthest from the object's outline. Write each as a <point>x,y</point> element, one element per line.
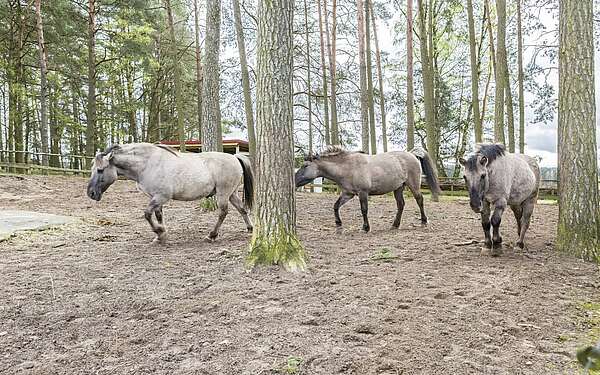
<point>96,297</point>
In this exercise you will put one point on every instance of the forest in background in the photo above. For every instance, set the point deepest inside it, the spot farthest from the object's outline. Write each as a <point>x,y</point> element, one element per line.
<point>128,71</point>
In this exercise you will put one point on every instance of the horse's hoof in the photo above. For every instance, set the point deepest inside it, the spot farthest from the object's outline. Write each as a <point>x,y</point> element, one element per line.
<point>366,229</point>
<point>160,241</point>
<point>339,229</point>
<point>250,229</point>
<point>211,237</point>
<point>496,251</point>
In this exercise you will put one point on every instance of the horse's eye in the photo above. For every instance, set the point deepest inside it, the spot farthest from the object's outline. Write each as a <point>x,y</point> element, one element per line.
<point>100,170</point>
<point>483,177</point>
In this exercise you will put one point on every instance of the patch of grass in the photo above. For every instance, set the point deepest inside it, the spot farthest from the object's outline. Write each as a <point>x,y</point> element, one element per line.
<point>291,366</point>
<point>208,204</point>
<point>384,255</point>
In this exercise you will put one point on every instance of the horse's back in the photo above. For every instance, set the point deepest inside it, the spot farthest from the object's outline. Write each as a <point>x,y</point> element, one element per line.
<point>390,170</point>
<point>526,177</point>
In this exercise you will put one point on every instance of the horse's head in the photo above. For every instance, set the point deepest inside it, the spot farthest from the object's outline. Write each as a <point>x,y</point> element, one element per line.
<point>476,179</point>
<point>309,170</point>
<point>104,174</point>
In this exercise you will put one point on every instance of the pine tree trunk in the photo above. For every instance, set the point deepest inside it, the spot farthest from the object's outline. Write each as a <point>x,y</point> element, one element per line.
<point>509,111</point>
<point>579,209</point>
<point>211,111</point>
<point>370,100</point>
<point>43,83</point>
<point>176,77</point>
<point>90,131</point>
<point>520,79</point>
<point>198,68</point>
<point>324,74</point>
<point>245,77</point>
<point>308,81</point>
<point>274,240</point>
<point>380,80</point>
<point>410,101</point>
<point>131,104</point>
<point>428,83</point>
<point>332,51</point>
<point>474,74</point>
<point>500,73</point>
<point>364,107</point>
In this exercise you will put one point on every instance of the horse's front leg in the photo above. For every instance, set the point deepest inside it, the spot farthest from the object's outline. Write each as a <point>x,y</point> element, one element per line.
<point>485,223</point>
<point>499,207</point>
<point>364,208</point>
<point>155,207</point>
<point>344,197</point>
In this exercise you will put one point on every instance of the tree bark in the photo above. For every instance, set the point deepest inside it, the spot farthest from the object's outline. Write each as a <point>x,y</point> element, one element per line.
<point>370,100</point>
<point>428,82</point>
<point>410,101</point>
<point>364,107</point>
<point>500,83</point>
<point>274,240</point>
<point>211,110</point>
<point>579,209</point>
<point>176,78</point>
<point>474,74</point>
<point>332,51</point>
<point>245,77</point>
<point>520,79</point>
<point>308,81</point>
<point>380,80</point>
<point>509,111</point>
<point>324,74</point>
<point>43,83</point>
<point>90,131</point>
<point>198,68</point>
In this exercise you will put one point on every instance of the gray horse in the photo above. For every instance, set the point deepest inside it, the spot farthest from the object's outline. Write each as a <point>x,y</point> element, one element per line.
<point>360,174</point>
<point>497,177</point>
<point>164,174</point>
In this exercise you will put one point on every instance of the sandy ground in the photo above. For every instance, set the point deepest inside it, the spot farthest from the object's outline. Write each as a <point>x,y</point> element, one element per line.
<point>96,297</point>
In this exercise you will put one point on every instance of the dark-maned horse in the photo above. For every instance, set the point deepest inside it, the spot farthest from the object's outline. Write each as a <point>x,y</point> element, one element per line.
<point>164,174</point>
<point>360,174</point>
<point>499,178</point>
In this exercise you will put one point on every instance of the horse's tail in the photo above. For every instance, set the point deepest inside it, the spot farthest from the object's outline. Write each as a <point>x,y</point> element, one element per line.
<point>429,171</point>
<point>248,180</point>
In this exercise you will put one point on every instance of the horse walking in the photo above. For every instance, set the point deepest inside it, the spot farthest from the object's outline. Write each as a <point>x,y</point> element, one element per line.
<point>360,174</point>
<point>163,174</point>
<point>499,178</point>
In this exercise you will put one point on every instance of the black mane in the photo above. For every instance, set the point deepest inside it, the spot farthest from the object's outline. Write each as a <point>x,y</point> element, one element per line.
<point>491,151</point>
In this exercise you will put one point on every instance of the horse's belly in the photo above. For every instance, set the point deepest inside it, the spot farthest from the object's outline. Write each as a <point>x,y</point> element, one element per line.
<point>193,192</point>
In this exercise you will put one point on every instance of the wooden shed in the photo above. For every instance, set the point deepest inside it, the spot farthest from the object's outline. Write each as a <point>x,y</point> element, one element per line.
<point>230,146</point>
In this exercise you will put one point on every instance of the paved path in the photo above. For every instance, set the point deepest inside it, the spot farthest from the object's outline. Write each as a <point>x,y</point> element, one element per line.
<point>13,221</point>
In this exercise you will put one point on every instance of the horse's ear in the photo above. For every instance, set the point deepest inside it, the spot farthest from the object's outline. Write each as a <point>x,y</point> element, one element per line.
<point>483,161</point>
<point>462,161</point>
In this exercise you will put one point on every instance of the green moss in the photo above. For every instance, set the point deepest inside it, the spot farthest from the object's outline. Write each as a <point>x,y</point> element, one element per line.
<point>277,248</point>
<point>581,244</point>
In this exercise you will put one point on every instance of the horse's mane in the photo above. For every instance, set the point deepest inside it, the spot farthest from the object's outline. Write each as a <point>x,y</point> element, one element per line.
<point>335,151</point>
<point>491,151</point>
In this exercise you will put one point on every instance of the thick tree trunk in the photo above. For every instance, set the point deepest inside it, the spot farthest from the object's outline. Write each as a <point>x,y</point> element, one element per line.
<point>308,81</point>
<point>332,51</point>
<point>380,80</point>
<point>211,110</point>
<point>428,83</point>
<point>198,68</point>
<point>520,79</point>
<point>579,209</point>
<point>90,131</point>
<point>410,101</point>
<point>370,100</point>
<point>274,240</point>
<point>500,73</point>
<point>324,74</point>
<point>176,77</point>
<point>245,77</point>
<point>43,83</point>
<point>364,107</point>
<point>474,74</point>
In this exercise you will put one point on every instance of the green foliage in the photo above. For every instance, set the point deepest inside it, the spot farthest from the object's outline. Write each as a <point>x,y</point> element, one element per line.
<point>292,366</point>
<point>384,255</point>
<point>278,247</point>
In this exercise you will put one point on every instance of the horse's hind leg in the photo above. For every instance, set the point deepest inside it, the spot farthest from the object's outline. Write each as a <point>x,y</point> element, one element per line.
<point>237,203</point>
<point>518,211</point>
<point>415,189</point>
<point>527,208</point>
<point>223,205</point>
<point>399,195</point>
<point>155,207</point>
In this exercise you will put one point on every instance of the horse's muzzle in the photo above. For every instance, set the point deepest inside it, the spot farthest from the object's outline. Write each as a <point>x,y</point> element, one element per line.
<point>94,194</point>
